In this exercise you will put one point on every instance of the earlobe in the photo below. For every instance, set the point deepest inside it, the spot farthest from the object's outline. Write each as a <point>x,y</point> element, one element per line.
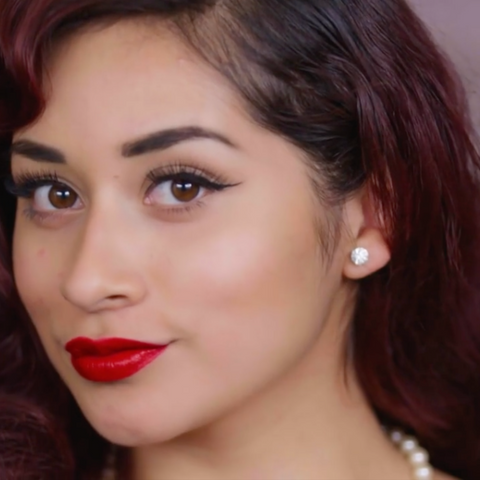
<point>369,254</point>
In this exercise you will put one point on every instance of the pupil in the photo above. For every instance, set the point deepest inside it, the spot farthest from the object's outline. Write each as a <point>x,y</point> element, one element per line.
<point>185,191</point>
<point>62,197</point>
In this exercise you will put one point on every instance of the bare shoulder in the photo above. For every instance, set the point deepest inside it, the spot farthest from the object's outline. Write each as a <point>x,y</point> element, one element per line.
<point>443,476</point>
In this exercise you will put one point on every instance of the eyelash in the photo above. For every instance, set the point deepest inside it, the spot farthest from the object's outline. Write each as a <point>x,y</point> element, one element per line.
<point>26,184</point>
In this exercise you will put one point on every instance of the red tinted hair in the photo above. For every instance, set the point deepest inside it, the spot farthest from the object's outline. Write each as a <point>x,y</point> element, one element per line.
<point>361,88</point>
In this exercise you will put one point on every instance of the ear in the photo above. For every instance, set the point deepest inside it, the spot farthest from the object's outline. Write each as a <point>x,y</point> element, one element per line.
<point>366,232</point>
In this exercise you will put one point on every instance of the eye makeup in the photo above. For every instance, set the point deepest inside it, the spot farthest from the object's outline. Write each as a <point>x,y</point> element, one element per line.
<point>188,185</point>
<point>189,174</point>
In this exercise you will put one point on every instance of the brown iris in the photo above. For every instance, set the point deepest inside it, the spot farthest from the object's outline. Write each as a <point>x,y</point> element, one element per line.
<point>61,196</point>
<point>185,191</point>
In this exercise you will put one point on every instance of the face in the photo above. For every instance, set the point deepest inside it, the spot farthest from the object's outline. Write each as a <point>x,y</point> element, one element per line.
<point>153,209</point>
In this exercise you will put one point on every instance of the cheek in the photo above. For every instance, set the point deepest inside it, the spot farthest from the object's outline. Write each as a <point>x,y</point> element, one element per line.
<point>253,270</point>
<point>252,287</point>
<point>246,298</point>
<point>33,270</point>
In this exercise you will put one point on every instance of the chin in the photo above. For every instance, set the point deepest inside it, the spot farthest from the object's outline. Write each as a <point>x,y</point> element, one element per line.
<point>129,423</point>
<point>132,433</point>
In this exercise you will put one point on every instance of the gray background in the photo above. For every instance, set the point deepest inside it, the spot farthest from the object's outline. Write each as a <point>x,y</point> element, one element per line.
<point>456,26</point>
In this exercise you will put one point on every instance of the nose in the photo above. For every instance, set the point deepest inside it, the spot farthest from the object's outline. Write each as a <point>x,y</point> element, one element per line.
<point>103,271</point>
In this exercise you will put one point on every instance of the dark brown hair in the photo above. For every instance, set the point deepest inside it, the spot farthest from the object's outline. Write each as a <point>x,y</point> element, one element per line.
<point>361,88</point>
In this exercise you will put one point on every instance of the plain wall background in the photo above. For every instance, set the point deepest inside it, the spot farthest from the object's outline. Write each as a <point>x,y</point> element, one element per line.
<point>456,26</point>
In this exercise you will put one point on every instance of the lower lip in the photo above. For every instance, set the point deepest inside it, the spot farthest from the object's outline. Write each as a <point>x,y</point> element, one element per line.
<point>115,367</point>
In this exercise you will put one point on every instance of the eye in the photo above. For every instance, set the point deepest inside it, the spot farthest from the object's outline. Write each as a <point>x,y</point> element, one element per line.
<point>58,196</point>
<point>177,191</point>
<point>177,185</point>
<point>52,197</point>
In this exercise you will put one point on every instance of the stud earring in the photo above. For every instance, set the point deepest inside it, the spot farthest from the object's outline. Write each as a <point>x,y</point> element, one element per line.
<point>359,256</point>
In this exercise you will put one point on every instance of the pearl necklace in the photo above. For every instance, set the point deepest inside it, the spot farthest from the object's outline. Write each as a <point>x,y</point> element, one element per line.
<point>416,456</point>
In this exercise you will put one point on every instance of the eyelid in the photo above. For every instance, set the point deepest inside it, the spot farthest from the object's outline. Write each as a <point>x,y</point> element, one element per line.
<point>195,174</point>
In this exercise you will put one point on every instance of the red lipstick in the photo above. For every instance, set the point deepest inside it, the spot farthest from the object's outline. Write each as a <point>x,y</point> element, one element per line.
<point>111,359</point>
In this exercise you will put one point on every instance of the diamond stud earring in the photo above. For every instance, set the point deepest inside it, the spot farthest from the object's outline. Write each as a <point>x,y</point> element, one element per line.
<point>359,256</point>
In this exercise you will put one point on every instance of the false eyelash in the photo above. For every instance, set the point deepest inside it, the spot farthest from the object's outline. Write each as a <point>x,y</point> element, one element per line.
<point>25,184</point>
<point>187,173</point>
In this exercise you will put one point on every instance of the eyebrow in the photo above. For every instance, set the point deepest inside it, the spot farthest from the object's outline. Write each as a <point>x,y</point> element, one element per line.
<point>37,152</point>
<point>168,138</point>
<point>153,142</point>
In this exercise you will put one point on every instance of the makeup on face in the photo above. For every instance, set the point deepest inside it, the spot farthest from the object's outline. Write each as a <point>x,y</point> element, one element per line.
<point>154,217</point>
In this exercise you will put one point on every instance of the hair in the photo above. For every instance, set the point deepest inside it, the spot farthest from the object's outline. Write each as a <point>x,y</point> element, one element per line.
<point>361,88</point>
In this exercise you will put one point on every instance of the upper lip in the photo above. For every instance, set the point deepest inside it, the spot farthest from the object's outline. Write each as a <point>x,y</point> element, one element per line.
<point>83,346</point>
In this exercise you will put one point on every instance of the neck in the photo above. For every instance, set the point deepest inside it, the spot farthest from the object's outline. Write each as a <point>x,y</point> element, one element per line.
<point>313,423</point>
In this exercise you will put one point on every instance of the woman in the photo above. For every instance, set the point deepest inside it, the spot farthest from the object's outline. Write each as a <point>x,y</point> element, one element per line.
<point>246,238</point>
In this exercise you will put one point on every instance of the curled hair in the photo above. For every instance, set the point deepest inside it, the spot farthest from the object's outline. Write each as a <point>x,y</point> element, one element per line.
<point>36,450</point>
<point>360,87</point>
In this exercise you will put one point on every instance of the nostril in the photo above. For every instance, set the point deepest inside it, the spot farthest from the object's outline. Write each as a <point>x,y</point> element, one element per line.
<point>116,297</point>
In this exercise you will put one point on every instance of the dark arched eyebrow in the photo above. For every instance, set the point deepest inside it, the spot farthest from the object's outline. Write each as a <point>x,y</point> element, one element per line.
<point>165,139</point>
<point>158,141</point>
<point>37,152</point>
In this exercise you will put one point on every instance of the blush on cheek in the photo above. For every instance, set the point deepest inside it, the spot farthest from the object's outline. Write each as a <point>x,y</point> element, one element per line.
<point>235,267</point>
<point>246,269</point>
<point>41,253</point>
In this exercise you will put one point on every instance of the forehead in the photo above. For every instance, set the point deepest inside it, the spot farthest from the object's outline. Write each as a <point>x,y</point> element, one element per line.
<point>130,78</point>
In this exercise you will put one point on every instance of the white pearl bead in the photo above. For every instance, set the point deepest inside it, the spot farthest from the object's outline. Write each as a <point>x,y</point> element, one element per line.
<point>423,473</point>
<point>418,457</point>
<point>396,436</point>
<point>408,444</point>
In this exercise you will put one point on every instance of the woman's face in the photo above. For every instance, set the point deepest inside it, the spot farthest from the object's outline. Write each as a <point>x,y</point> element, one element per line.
<point>176,220</point>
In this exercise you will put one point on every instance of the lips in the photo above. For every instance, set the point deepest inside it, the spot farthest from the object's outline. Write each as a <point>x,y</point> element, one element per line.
<point>111,359</point>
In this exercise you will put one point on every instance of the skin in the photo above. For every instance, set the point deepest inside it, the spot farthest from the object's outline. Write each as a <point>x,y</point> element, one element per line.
<point>253,386</point>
